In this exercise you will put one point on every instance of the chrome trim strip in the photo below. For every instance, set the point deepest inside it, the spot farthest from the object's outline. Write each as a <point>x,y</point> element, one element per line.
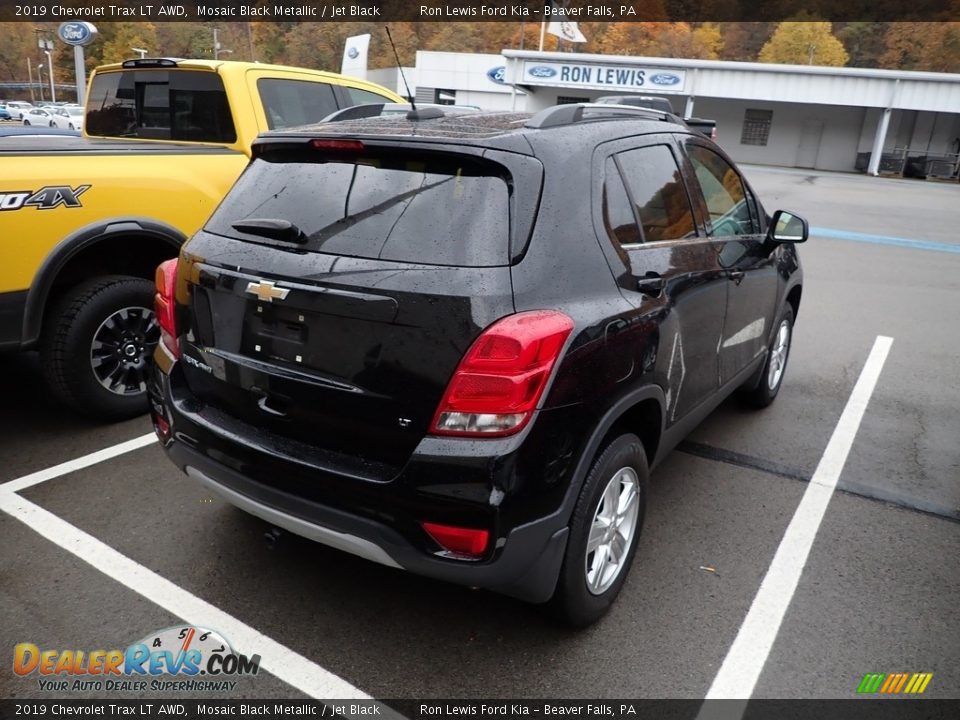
<point>341,541</point>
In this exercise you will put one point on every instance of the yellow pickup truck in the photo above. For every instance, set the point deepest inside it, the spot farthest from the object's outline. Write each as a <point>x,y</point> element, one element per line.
<point>84,222</point>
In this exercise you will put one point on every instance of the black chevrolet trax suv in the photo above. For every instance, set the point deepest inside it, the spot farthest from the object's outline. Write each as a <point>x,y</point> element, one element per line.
<point>456,345</point>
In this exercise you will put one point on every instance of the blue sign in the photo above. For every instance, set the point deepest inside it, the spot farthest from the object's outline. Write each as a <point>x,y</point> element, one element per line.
<point>542,71</point>
<point>353,53</point>
<point>497,74</point>
<point>664,79</point>
<point>77,33</point>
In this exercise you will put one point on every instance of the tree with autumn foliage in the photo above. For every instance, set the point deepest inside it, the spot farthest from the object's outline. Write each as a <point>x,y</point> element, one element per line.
<point>19,46</point>
<point>922,46</point>
<point>804,43</point>
<point>661,39</point>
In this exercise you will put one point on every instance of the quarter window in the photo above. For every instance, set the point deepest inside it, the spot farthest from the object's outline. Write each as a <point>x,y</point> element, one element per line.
<point>723,193</point>
<point>659,194</point>
<point>618,219</point>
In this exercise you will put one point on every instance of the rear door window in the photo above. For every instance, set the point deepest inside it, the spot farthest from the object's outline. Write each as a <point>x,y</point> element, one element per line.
<point>289,103</point>
<point>659,193</point>
<point>365,97</point>
<point>443,211</point>
<point>160,105</point>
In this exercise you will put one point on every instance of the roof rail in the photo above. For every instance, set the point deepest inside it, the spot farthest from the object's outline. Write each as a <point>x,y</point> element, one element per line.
<point>560,115</point>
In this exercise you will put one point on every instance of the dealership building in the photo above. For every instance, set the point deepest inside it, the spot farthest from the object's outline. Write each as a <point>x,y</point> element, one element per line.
<point>802,116</point>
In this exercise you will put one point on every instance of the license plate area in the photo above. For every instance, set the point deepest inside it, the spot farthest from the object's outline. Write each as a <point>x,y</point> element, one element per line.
<point>272,332</point>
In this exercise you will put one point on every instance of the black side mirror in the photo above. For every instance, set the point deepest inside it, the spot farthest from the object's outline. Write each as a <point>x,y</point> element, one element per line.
<point>787,227</point>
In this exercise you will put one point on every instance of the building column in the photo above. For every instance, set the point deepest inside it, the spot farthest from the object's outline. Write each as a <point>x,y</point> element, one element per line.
<point>688,110</point>
<point>878,141</point>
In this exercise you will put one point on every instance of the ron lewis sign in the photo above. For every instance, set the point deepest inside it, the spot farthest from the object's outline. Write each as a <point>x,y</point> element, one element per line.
<point>603,77</point>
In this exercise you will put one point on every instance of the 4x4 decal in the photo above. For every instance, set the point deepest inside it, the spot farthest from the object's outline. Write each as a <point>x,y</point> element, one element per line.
<point>46,198</point>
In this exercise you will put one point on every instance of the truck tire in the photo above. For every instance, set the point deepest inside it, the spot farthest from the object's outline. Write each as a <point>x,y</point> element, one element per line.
<point>97,346</point>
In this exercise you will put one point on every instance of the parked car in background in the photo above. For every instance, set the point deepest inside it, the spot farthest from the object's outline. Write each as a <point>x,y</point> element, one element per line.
<point>396,109</point>
<point>68,117</point>
<point>17,108</point>
<point>4,113</point>
<point>654,102</point>
<point>456,345</point>
<point>38,116</point>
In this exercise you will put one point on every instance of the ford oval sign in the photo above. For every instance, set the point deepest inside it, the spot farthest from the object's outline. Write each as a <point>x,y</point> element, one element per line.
<point>77,33</point>
<point>541,71</point>
<point>497,74</point>
<point>664,79</point>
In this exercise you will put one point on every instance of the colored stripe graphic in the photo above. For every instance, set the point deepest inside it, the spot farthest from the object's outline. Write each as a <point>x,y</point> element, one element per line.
<point>894,683</point>
<point>890,682</point>
<point>871,682</point>
<point>922,685</point>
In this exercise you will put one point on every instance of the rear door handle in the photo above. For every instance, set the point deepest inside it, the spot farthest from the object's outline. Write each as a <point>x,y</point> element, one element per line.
<point>652,284</point>
<point>736,275</point>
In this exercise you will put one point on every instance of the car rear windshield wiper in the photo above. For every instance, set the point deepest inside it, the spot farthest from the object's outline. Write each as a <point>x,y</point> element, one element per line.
<point>271,228</point>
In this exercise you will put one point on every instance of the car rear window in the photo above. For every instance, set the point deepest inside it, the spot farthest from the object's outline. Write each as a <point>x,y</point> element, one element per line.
<point>448,210</point>
<point>160,105</point>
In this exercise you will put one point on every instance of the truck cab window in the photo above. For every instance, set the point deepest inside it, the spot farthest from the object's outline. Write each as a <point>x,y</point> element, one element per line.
<point>160,105</point>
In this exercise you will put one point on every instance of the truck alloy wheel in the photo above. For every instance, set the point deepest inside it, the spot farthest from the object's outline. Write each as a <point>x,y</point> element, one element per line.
<point>96,349</point>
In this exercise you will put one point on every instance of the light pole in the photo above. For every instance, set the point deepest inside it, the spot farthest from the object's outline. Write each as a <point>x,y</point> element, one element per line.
<point>53,93</point>
<point>30,77</point>
<point>217,50</point>
<point>142,52</point>
<point>46,44</point>
<point>40,79</point>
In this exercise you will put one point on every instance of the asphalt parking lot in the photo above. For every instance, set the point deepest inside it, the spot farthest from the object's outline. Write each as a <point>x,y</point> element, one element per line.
<point>878,592</point>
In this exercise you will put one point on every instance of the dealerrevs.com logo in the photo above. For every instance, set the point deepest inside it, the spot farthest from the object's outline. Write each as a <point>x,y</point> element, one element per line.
<point>174,659</point>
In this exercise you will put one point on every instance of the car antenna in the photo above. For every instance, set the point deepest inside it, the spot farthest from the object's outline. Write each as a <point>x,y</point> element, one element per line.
<point>413,104</point>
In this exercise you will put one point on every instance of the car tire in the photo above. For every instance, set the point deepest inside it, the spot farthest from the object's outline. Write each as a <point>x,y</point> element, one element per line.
<point>97,346</point>
<point>26,122</point>
<point>775,366</point>
<point>52,124</point>
<point>604,530</point>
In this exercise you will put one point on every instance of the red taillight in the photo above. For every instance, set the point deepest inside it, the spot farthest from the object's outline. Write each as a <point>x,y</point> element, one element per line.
<point>468,542</point>
<point>164,306</point>
<point>337,145</point>
<point>499,381</point>
<point>161,427</point>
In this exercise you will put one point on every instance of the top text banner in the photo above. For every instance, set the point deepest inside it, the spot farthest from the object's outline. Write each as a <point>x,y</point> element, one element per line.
<point>474,11</point>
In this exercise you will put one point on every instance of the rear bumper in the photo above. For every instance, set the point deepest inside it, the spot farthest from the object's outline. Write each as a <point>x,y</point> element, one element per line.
<point>378,521</point>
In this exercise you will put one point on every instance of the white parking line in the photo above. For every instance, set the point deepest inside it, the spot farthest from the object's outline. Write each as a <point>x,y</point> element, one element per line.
<point>285,664</point>
<point>79,463</point>
<point>741,668</point>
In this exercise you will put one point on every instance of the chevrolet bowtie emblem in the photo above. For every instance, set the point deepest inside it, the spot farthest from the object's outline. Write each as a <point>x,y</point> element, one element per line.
<point>267,291</point>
